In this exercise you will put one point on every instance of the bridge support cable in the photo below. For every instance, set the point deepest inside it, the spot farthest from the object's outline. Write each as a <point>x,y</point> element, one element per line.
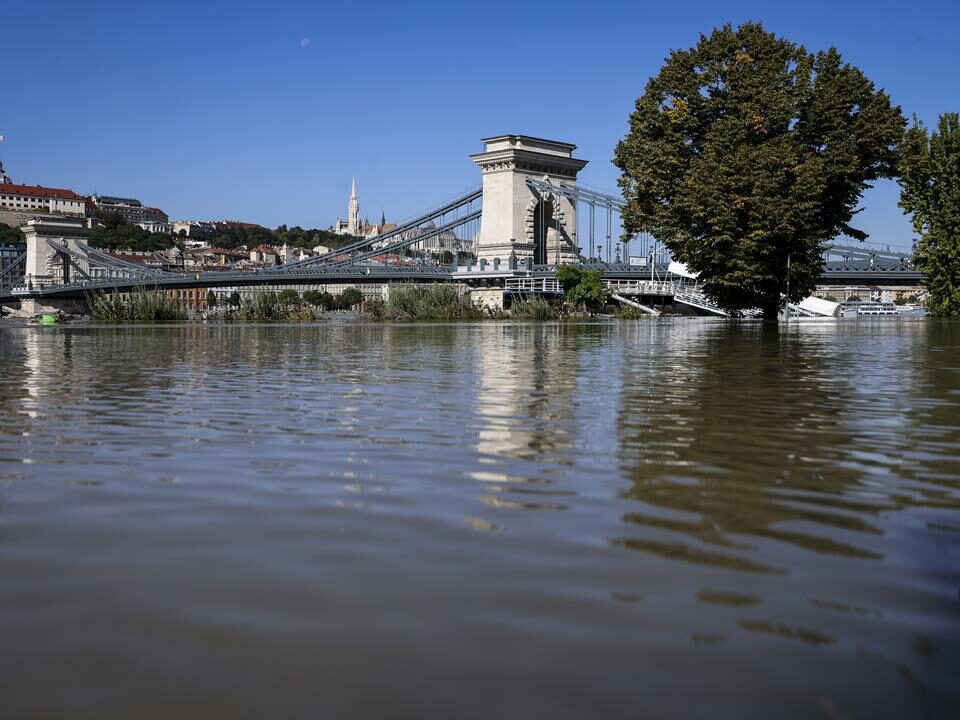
<point>409,241</point>
<point>97,259</point>
<point>609,204</point>
<point>106,260</point>
<point>592,241</point>
<point>8,271</point>
<point>609,231</point>
<point>411,226</point>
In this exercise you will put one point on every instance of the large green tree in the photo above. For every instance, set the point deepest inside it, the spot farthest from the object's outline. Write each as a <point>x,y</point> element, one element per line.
<point>746,149</point>
<point>930,192</point>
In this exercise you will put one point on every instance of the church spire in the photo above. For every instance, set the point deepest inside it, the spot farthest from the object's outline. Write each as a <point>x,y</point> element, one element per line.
<point>353,211</point>
<point>383,218</point>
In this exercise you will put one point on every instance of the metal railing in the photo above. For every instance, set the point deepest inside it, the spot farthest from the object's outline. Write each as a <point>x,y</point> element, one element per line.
<point>640,287</point>
<point>533,285</point>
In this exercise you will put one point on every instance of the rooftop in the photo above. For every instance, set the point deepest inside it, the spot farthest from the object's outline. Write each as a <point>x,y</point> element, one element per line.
<point>38,191</point>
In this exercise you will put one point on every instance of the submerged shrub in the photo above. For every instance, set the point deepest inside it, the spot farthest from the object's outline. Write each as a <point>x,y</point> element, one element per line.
<point>628,312</point>
<point>533,307</point>
<point>424,302</point>
<point>265,306</point>
<point>140,306</point>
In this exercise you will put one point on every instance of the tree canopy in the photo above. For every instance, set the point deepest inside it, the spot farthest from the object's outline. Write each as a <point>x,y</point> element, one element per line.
<point>235,235</point>
<point>10,235</point>
<point>930,192</point>
<point>117,234</point>
<point>582,287</point>
<point>747,148</point>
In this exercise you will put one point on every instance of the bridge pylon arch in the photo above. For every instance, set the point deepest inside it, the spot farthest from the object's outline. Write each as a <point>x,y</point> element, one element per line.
<point>515,215</point>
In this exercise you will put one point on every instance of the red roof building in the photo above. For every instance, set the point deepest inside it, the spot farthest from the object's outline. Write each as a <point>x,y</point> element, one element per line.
<point>36,198</point>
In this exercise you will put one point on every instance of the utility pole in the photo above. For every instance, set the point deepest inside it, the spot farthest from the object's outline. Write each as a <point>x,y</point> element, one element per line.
<point>786,309</point>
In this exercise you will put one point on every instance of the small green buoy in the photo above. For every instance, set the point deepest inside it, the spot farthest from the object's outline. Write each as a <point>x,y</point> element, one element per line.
<point>48,320</point>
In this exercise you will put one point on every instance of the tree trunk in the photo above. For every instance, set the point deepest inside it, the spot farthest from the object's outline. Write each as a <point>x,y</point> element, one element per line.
<point>771,311</point>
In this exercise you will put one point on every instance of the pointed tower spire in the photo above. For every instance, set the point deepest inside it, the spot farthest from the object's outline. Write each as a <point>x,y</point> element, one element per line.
<point>353,211</point>
<point>383,218</point>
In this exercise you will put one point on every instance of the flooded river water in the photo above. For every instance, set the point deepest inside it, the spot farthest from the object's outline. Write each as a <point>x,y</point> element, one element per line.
<point>624,519</point>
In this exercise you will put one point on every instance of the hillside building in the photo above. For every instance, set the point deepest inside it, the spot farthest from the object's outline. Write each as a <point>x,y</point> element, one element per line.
<point>28,199</point>
<point>134,212</point>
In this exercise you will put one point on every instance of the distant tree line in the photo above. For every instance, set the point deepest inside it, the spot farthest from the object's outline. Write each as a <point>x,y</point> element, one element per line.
<point>233,237</point>
<point>115,233</point>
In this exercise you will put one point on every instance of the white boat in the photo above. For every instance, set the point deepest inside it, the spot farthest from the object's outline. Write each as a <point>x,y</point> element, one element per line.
<point>877,308</point>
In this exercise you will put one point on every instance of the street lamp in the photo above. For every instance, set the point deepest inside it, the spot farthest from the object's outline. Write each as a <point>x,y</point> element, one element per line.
<point>653,257</point>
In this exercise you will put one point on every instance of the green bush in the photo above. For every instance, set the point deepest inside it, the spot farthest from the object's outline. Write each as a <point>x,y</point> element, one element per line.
<point>424,302</point>
<point>532,308</point>
<point>348,298</point>
<point>581,287</point>
<point>266,306</point>
<point>375,308</point>
<point>141,306</point>
<point>289,297</point>
<point>261,307</point>
<point>320,298</point>
<point>628,312</point>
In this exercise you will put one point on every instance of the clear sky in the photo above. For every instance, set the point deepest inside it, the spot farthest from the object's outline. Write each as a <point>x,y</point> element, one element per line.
<point>263,111</point>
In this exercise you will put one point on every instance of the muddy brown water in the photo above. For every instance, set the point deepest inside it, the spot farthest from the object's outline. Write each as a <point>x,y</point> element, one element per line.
<point>623,519</point>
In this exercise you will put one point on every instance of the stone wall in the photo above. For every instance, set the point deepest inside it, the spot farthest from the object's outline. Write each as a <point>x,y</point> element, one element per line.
<point>16,218</point>
<point>487,298</point>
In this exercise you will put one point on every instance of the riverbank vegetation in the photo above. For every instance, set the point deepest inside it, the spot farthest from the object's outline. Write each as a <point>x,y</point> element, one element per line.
<point>533,307</point>
<point>424,302</point>
<point>746,153</point>
<point>930,193</point>
<point>628,312</point>
<point>141,306</point>
<point>267,306</point>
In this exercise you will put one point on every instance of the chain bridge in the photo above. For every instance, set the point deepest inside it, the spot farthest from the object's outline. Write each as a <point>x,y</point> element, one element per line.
<point>529,216</point>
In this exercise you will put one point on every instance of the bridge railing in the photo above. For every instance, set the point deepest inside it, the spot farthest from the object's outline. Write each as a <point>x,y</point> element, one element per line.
<point>641,287</point>
<point>533,285</point>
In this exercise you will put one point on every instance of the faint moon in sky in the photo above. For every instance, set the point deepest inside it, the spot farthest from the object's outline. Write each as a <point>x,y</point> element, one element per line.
<point>305,41</point>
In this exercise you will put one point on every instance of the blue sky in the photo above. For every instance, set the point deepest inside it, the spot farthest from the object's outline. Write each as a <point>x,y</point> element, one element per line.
<point>225,110</point>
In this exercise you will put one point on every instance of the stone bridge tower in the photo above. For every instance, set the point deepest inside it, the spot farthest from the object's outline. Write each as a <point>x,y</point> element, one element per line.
<point>45,264</point>
<point>516,218</point>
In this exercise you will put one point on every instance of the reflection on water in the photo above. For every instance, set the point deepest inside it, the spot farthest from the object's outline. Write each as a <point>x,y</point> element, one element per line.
<point>481,520</point>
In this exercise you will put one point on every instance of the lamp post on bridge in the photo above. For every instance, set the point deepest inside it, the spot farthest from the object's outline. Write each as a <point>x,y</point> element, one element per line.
<point>653,256</point>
